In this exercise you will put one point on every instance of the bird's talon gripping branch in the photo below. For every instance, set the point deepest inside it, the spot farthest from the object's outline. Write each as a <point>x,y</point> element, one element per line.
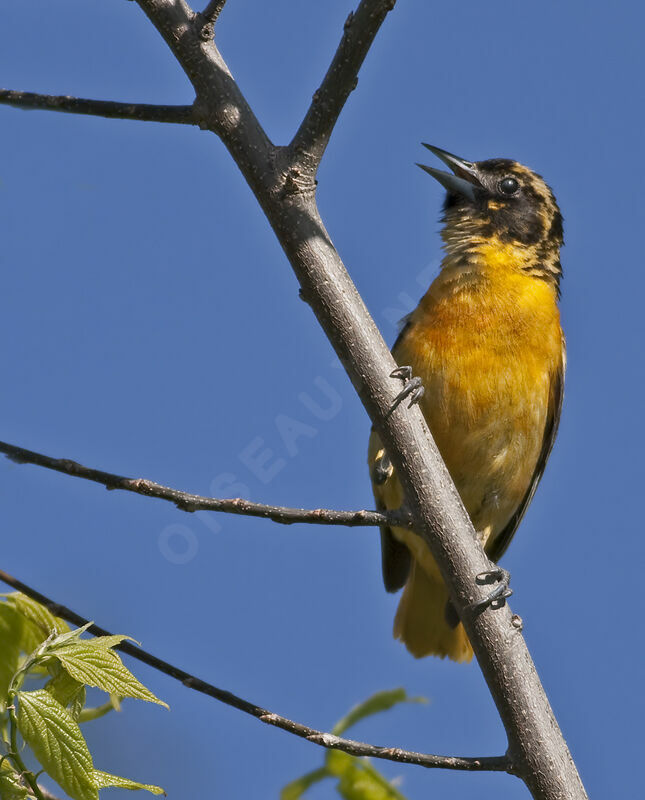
<point>496,598</point>
<point>404,373</point>
<point>413,387</point>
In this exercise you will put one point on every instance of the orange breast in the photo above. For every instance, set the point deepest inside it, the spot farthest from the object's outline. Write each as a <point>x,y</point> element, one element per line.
<point>487,347</point>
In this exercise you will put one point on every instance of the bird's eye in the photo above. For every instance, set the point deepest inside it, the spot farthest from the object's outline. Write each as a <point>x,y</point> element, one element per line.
<point>508,186</point>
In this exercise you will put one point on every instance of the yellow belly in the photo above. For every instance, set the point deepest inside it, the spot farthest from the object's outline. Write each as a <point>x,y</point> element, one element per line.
<point>487,358</point>
<point>487,344</point>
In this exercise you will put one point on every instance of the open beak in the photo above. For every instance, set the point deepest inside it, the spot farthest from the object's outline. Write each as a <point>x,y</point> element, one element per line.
<point>464,179</point>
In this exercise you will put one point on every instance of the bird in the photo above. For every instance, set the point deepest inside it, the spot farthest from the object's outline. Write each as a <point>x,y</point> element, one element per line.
<point>486,347</point>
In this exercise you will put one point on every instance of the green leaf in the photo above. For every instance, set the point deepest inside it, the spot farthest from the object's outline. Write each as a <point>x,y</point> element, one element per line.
<point>381,701</point>
<point>360,783</point>
<point>295,789</point>
<point>358,779</point>
<point>112,640</point>
<point>116,701</point>
<point>57,742</point>
<point>97,666</point>
<point>359,776</point>
<point>31,639</point>
<point>63,688</point>
<point>38,614</point>
<point>104,780</point>
<point>96,712</point>
<point>338,763</point>
<point>64,639</point>
<point>11,627</point>
<point>77,706</point>
<point>11,788</point>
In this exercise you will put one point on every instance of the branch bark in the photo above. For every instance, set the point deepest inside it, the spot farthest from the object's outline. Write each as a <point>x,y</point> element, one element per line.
<point>328,740</point>
<point>283,181</point>
<point>194,502</point>
<point>213,10</point>
<point>341,79</point>
<point>145,112</point>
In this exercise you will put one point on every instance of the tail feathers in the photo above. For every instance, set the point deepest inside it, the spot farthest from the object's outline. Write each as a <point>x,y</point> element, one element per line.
<point>420,619</point>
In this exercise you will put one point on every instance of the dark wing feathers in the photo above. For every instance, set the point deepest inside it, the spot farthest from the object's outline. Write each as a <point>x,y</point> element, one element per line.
<point>395,559</point>
<point>502,540</point>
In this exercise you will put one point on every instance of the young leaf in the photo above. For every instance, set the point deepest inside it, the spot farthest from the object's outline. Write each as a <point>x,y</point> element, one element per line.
<point>11,788</point>
<point>359,783</point>
<point>37,613</point>
<point>68,637</point>
<point>31,639</point>
<point>103,780</point>
<point>76,707</point>
<point>11,625</point>
<point>295,789</point>
<point>95,712</point>
<point>57,742</point>
<point>358,779</point>
<point>112,640</point>
<point>97,666</point>
<point>63,688</point>
<point>338,763</point>
<point>381,701</point>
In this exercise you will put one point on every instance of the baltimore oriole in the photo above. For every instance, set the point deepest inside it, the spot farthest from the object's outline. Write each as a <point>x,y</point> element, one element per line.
<point>486,343</point>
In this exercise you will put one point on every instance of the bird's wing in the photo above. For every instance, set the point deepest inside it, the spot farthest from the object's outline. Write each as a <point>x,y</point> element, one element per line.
<point>503,539</point>
<point>395,556</point>
<point>395,561</point>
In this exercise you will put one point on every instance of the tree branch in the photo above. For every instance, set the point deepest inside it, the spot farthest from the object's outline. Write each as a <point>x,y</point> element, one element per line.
<point>213,10</point>
<point>341,79</point>
<point>282,181</point>
<point>537,747</point>
<point>328,740</point>
<point>194,502</point>
<point>145,112</point>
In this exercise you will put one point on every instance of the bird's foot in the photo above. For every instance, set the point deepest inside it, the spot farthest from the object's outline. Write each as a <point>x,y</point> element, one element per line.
<point>412,387</point>
<point>496,598</point>
<point>383,468</point>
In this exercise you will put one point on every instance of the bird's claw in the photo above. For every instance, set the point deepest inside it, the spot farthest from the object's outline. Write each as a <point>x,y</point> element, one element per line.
<point>496,598</point>
<point>413,387</point>
<point>404,373</point>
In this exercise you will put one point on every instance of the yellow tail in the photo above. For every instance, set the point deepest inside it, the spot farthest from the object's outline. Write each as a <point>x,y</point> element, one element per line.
<point>420,619</point>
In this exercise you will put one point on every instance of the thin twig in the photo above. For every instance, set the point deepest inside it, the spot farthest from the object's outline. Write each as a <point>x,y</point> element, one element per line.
<point>486,763</point>
<point>341,79</point>
<point>145,112</point>
<point>213,10</point>
<point>194,502</point>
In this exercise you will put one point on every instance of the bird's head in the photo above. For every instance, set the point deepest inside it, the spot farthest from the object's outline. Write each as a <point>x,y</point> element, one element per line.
<point>500,200</point>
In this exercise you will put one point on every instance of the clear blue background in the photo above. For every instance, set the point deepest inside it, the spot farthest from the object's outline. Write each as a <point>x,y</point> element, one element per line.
<point>151,326</point>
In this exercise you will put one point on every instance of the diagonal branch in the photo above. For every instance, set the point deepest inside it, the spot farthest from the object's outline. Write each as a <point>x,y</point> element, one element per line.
<point>194,502</point>
<point>282,181</point>
<point>329,740</point>
<point>145,112</point>
<point>341,79</point>
<point>538,749</point>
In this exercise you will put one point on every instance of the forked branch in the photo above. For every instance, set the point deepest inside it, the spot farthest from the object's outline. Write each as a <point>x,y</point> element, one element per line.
<point>282,181</point>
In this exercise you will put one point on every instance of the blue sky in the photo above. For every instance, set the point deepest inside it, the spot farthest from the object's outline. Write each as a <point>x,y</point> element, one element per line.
<point>151,326</point>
